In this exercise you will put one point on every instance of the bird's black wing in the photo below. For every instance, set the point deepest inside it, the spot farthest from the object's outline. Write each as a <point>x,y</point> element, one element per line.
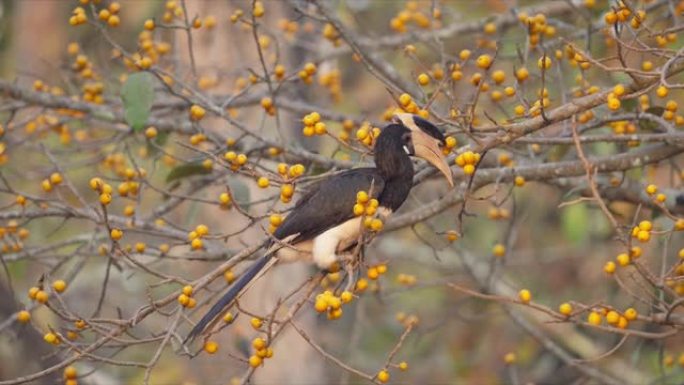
<point>329,203</point>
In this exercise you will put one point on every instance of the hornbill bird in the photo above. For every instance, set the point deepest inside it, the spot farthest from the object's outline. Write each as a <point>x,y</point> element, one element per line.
<point>322,224</point>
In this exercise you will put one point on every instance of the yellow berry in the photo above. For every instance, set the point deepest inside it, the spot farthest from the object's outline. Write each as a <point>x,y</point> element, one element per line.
<point>151,132</point>
<point>645,225</point>
<point>623,259</point>
<point>116,234</point>
<point>23,316</point>
<point>361,285</point>
<point>51,338</point>
<point>643,236</point>
<point>263,182</point>
<point>346,296</point>
<point>275,220</point>
<point>613,104</point>
<point>196,244</point>
<point>484,61</point>
<point>405,99</point>
<point>609,267</point>
<point>372,273</point>
<point>662,91</point>
<point>149,24</point>
<point>70,373</point>
<point>510,358</point>
<point>202,230</point>
<point>256,323</point>
<point>525,295</point>
<point>32,292</point>
<point>20,200</point>
<point>310,69</point>
<point>115,7</point>
<point>113,21</point>
<point>612,317</point>
<point>321,305</point>
<point>383,376</point>
<point>622,322</point>
<point>522,74</point>
<point>594,318</point>
<point>423,79</point>
<point>42,296</point>
<point>254,361</point>
<point>679,224</point>
<point>183,299</point>
<point>140,247</point>
<point>631,314</point>
<point>544,63</point>
<point>498,76</point>
<point>266,103</point>
<point>56,178</point>
<point>382,268</point>
<point>565,309</point>
<point>59,285</point>
<point>105,198</point>
<point>519,110</point>
<point>211,347</point>
<point>259,343</point>
<point>96,183</point>
<point>499,250</point>
<point>320,128</point>
<point>197,112</point>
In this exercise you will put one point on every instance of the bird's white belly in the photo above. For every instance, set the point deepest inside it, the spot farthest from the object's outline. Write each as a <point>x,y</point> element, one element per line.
<point>323,248</point>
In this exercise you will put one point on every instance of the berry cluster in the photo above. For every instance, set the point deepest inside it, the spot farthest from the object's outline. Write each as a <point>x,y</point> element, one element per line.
<point>467,161</point>
<point>313,125</point>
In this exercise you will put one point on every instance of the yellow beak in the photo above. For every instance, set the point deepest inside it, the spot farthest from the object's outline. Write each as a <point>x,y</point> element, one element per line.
<point>427,147</point>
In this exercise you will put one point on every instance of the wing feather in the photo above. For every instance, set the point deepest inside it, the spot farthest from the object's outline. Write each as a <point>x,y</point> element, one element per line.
<point>329,203</point>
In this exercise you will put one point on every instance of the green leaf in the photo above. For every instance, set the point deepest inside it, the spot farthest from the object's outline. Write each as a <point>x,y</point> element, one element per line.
<point>138,95</point>
<point>186,170</point>
<point>574,220</point>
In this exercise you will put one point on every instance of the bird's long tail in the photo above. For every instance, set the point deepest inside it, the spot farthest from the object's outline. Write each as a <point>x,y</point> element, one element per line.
<point>228,298</point>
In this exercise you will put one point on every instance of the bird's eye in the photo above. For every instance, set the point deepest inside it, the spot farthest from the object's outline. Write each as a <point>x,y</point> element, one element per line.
<point>406,138</point>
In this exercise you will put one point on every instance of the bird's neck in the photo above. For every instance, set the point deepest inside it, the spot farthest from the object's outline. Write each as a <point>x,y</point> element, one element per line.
<point>396,169</point>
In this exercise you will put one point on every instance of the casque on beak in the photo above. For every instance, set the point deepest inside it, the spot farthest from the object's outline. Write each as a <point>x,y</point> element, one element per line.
<point>427,147</point>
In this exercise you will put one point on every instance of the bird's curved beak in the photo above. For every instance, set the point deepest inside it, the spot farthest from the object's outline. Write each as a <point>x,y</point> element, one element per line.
<point>427,147</point>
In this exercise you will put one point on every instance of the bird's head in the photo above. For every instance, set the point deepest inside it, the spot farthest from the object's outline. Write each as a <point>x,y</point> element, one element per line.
<point>425,141</point>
